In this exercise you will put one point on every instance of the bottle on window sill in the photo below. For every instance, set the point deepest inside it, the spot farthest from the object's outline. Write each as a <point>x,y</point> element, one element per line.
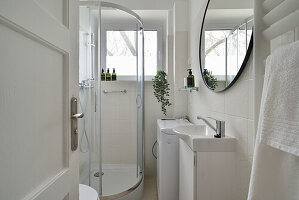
<point>113,75</point>
<point>103,75</point>
<point>108,75</point>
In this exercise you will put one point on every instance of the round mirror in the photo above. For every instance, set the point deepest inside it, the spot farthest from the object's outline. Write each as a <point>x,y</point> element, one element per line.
<point>225,42</point>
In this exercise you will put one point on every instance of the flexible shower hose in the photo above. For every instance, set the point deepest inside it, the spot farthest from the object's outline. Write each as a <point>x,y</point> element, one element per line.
<point>83,132</point>
<point>153,149</point>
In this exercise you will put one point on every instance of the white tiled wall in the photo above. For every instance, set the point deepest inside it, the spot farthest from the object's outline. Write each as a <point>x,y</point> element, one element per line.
<point>119,137</point>
<point>284,39</point>
<point>180,57</point>
<point>235,105</point>
<point>181,66</point>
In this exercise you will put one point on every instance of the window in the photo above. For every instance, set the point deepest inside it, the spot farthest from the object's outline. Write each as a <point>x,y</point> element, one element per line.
<point>120,52</point>
<point>215,52</point>
<point>225,51</point>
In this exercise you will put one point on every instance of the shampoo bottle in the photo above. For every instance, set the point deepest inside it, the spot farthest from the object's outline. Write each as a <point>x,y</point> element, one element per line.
<point>108,75</point>
<point>190,79</point>
<point>113,75</point>
<point>103,75</point>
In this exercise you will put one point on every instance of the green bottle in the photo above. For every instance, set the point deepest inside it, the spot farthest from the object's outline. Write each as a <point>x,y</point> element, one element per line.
<point>103,75</point>
<point>190,79</point>
<point>113,75</point>
<point>108,75</point>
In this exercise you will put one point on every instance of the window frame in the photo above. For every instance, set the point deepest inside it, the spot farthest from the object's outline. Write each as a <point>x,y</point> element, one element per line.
<point>130,27</point>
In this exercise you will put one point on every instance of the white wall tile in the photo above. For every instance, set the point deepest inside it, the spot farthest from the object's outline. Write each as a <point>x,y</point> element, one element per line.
<point>251,137</point>
<point>282,40</point>
<point>251,68</point>
<point>251,99</point>
<point>237,127</point>
<point>236,99</point>
<point>180,65</point>
<point>119,116</point>
<point>296,34</point>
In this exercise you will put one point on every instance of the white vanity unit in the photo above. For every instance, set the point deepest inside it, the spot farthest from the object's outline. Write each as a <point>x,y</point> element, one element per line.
<point>206,164</point>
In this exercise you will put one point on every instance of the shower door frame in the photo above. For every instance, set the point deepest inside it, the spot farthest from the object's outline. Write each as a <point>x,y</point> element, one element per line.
<point>99,5</point>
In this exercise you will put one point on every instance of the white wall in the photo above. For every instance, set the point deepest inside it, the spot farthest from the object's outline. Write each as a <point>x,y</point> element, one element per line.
<point>235,105</point>
<point>119,124</point>
<point>180,57</point>
<point>231,4</point>
<point>119,115</point>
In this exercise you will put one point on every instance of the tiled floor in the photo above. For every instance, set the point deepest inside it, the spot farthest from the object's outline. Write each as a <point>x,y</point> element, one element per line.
<point>150,188</point>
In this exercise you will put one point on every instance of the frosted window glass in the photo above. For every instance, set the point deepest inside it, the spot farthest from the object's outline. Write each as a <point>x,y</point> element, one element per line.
<point>121,52</point>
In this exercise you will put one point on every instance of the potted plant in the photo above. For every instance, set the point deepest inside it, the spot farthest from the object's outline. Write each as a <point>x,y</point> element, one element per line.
<point>161,90</point>
<point>210,79</point>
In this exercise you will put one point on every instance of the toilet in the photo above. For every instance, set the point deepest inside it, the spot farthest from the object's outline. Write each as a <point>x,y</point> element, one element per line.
<point>87,193</point>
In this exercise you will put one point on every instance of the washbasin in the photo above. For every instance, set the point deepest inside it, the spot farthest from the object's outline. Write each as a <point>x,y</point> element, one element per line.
<point>200,138</point>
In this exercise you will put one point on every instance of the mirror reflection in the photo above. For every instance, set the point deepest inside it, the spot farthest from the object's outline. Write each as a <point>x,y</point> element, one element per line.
<point>225,43</point>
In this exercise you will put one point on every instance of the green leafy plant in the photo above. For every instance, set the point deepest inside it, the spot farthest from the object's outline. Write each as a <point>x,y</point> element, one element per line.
<point>161,90</point>
<point>211,81</point>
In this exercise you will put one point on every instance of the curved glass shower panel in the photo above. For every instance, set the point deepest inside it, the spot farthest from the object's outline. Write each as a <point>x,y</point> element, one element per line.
<point>111,138</point>
<point>85,81</point>
<point>120,51</point>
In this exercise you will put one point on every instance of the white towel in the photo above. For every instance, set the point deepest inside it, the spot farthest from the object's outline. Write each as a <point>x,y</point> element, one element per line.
<point>279,119</point>
<point>275,171</point>
<point>274,175</point>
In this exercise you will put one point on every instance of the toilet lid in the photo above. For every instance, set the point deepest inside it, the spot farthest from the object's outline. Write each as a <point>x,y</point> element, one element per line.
<point>87,193</point>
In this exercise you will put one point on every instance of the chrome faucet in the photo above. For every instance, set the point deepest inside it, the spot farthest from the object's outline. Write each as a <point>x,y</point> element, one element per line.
<point>220,126</point>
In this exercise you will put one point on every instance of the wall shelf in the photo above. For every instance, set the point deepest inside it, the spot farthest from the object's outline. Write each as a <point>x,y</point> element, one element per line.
<point>190,89</point>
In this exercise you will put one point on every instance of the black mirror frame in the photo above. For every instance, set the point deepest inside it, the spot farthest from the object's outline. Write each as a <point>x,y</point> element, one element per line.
<point>248,52</point>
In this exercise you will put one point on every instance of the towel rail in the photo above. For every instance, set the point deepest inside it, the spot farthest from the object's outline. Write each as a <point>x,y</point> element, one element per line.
<point>115,91</point>
<point>282,26</point>
<point>272,18</point>
<point>271,4</point>
<point>281,11</point>
<point>280,16</point>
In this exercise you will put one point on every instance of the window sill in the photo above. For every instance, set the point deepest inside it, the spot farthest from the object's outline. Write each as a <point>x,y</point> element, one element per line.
<point>133,78</point>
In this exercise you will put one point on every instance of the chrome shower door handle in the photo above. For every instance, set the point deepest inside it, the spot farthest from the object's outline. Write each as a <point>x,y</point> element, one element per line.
<point>74,123</point>
<point>138,101</point>
<point>78,115</point>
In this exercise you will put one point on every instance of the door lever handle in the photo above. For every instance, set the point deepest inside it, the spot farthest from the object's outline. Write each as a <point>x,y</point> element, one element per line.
<point>78,115</point>
<point>74,123</point>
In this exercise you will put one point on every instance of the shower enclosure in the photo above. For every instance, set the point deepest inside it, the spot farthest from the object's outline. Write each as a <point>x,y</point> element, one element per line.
<point>112,131</point>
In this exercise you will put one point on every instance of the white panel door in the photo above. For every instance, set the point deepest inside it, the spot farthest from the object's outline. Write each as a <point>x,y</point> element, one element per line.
<point>38,77</point>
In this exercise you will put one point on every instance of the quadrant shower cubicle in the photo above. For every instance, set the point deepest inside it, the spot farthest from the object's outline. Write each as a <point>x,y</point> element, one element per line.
<point>112,131</point>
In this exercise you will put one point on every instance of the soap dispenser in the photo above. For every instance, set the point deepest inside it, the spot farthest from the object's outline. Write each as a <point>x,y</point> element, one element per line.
<point>190,79</point>
<point>108,75</point>
<point>113,75</point>
<point>103,75</point>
